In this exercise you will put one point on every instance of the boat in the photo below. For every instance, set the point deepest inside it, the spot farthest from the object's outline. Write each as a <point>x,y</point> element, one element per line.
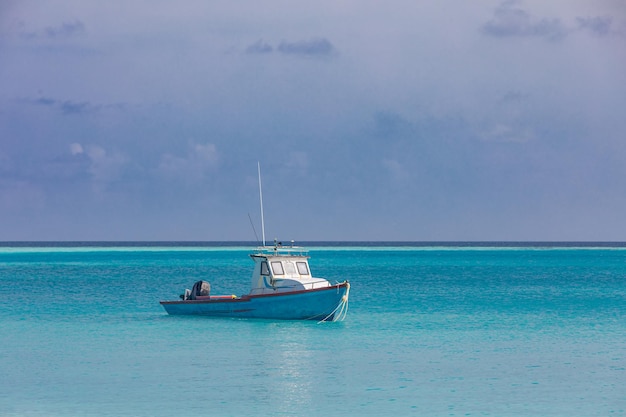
<point>282,287</point>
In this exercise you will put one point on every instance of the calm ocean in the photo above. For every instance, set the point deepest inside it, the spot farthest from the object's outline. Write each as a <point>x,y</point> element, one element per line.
<point>452,330</point>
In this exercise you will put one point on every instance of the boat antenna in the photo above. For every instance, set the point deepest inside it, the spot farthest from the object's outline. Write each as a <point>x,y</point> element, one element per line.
<point>261,199</point>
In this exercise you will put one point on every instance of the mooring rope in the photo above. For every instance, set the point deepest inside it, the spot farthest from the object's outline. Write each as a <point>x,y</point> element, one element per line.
<point>341,309</point>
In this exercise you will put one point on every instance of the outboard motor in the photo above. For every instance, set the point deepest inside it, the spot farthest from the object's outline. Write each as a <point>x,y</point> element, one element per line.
<point>200,288</point>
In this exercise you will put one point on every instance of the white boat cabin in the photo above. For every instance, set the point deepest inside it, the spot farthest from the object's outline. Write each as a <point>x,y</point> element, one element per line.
<point>282,269</point>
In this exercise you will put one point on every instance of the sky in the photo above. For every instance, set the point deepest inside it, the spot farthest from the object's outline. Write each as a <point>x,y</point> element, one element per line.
<point>433,120</point>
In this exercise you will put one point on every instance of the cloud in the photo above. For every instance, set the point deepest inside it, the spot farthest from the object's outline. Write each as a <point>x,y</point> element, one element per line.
<point>66,30</point>
<point>70,107</point>
<point>506,133</point>
<point>105,166</point>
<point>191,167</point>
<point>44,101</point>
<point>259,47</point>
<point>511,21</point>
<point>599,25</point>
<point>76,149</point>
<point>65,106</point>
<point>313,47</point>
<point>397,171</point>
<point>206,153</point>
<point>513,97</point>
<point>102,166</point>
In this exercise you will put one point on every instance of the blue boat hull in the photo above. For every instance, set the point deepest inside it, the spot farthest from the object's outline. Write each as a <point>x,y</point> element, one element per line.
<point>318,304</point>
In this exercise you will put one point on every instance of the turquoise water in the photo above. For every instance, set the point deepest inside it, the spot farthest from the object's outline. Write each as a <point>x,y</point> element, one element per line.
<point>431,331</point>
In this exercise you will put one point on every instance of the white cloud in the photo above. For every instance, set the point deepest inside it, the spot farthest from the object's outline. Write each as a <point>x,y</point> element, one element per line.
<point>506,133</point>
<point>397,171</point>
<point>104,167</point>
<point>76,149</point>
<point>192,167</point>
<point>206,153</point>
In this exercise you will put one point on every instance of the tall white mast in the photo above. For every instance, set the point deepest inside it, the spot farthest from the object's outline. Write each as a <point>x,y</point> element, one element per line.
<point>261,198</point>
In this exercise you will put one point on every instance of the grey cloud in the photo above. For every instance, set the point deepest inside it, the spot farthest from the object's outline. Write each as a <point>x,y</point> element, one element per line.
<point>510,21</point>
<point>45,101</point>
<point>66,106</point>
<point>259,47</point>
<point>600,25</point>
<point>313,47</point>
<point>513,97</point>
<point>69,107</point>
<point>65,30</point>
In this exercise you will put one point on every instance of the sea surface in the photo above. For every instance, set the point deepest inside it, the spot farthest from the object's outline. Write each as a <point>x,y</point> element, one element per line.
<point>458,329</point>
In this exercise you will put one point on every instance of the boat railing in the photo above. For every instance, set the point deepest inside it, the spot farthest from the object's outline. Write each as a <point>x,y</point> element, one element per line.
<point>282,250</point>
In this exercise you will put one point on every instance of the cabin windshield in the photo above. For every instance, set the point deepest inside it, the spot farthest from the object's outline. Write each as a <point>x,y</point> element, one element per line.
<point>285,267</point>
<point>303,268</point>
<point>277,268</point>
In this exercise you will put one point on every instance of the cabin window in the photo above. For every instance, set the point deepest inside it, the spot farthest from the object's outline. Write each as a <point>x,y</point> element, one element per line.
<point>290,268</point>
<point>303,269</point>
<point>277,267</point>
<point>265,270</point>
